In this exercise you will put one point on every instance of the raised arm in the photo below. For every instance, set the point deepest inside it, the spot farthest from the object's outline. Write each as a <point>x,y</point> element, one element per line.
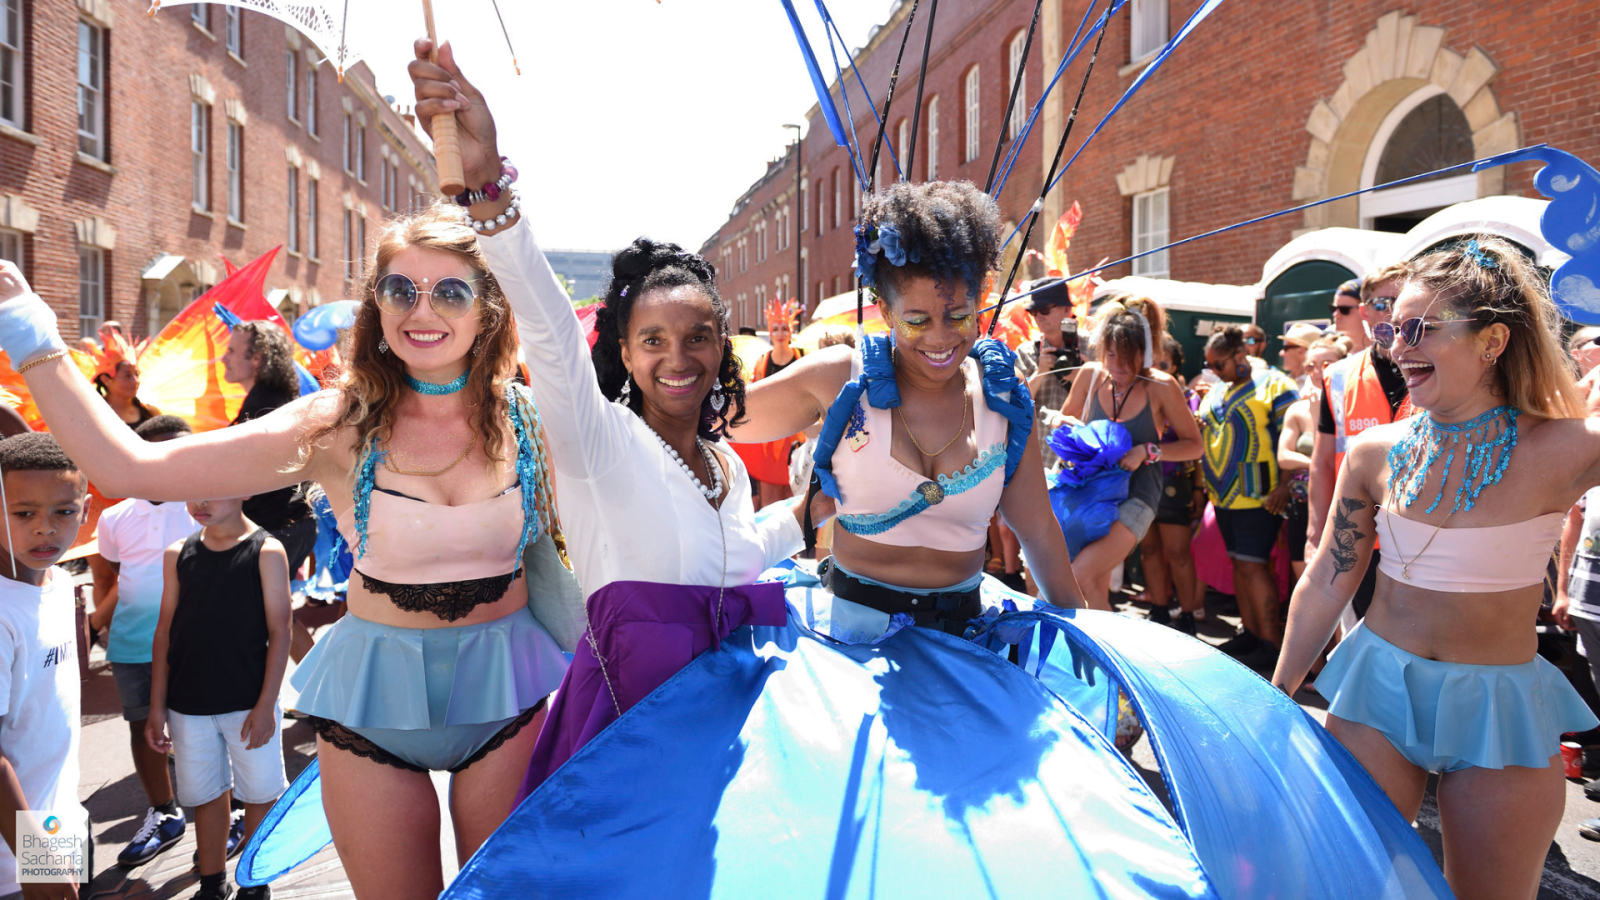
<point>1335,572</point>
<point>587,434</point>
<point>232,462</point>
<point>794,399</point>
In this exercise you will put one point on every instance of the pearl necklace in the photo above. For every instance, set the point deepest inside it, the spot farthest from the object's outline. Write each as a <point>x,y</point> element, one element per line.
<point>710,493</point>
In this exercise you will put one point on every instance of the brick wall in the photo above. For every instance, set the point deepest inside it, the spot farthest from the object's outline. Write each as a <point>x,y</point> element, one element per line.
<point>142,190</point>
<point>1233,107</point>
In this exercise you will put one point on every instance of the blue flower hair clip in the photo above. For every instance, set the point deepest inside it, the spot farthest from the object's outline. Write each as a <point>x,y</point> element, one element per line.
<point>872,240</point>
<point>1477,254</point>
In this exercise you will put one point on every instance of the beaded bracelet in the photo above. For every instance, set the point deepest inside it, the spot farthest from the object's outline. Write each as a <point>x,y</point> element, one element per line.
<point>55,354</point>
<point>491,191</point>
<point>500,220</point>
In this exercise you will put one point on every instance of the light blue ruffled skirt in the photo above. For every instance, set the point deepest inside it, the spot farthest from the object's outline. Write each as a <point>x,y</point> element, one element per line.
<point>1447,716</point>
<point>430,696</point>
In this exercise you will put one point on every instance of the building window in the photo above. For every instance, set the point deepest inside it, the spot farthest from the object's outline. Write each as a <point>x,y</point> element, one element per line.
<point>234,36</point>
<point>973,120</point>
<point>393,190</point>
<point>835,287</point>
<point>201,14</point>
<point>349,143</point>
<point>786,236</point>
<point>11,62</point>
<point>294,210</point>
<point>11,247</point>
<point>199,156</point>
<point>1150,232</point>
<point>820,199</point>
<point>1147,28</point>
<point>235,172</point>
<point>291,92</point>
<point>361,154</point>
<point>91,289</point>
<point>311,100</point>
<point>1019,112</point>
<point>836,203</point>
<point>933,139</point>
<point>91,90</point>
<point>744,254</point>
<point>761,241</point>
<point>349,244</point>
<point>903,143</point>
<point>803,207</point>
<point>311,219</point>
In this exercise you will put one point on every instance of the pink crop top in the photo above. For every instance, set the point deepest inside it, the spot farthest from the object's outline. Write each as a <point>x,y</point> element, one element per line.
<point>1467,560</point>
<point>885,502</point>
<point>410,541</point>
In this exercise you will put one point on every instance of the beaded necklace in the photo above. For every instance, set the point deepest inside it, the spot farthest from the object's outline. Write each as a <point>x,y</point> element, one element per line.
<point>437,390</point>
<point>1489,440</point>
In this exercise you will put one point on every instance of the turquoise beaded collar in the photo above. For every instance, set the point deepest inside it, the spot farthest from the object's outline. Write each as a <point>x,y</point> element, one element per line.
<point>437,390</point>
<point>1489,440</point>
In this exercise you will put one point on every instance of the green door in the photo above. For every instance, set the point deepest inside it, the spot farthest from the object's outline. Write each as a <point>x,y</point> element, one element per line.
<point>1303,292</point>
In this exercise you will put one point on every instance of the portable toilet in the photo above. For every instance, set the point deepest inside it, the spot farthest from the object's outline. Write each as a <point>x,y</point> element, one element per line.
<point>1192,308</point>
<point>1298,282</point>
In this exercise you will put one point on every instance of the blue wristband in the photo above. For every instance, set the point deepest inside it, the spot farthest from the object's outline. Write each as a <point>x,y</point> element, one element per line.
<point>28,328</point>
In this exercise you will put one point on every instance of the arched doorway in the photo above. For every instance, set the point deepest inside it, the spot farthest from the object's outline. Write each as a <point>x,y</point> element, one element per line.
<point>1424,133</point>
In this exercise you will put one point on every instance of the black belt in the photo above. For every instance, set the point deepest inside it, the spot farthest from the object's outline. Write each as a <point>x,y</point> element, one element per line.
<point>948,611</point>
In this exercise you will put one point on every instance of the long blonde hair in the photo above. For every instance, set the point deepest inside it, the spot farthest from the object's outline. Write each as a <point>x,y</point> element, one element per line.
<point>373,380</point>
<point>1487,281</point>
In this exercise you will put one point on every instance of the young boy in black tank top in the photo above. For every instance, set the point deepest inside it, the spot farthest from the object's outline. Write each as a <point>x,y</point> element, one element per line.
<point>220,651</point>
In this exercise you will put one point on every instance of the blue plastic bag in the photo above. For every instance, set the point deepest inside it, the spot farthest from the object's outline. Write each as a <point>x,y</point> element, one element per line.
<point>1091,482</point>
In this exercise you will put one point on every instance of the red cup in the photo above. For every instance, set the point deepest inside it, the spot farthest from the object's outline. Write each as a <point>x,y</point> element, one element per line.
<point>1572,759</point>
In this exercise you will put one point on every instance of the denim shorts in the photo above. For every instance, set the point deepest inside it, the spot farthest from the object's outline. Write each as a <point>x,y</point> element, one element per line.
<point>1249,534</point>
<point>133,689</point>
<point>211,758</point>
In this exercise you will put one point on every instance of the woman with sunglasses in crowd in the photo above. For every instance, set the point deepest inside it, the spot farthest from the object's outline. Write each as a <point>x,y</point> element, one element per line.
<point>1467,498</point>
<point>434,463</point>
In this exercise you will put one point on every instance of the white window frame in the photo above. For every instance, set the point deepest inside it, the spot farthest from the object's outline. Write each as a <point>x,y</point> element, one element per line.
<point>933,139</point>
<point>291,92</point>
<point>91,289</point>
<point>294,210</point>
<point>361,153</point>
<point>349,142</point>
<point>200,154</point>
<point>803,211</point>
<point>822,199</point>
<point>12,248</point>
<point>1149,233</point>
<point>235,162</point>
<point>200,14</point>
<point>349,239</point>
<point>11,63</point>
<point>974,116</point>
<point>905,138</point>
<point>1019,112</point>
<point>311,100</point>
<point>311,218</point>
<point>91,90</point>
<point>1147,28</point>
<point>233,30</point>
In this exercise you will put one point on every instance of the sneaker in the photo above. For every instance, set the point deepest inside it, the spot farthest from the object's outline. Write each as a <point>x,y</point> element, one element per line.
<point>235,835</point>
<point>1241,643</point>
<point>1160,615</point>
<point>1592,791</point>
<point>260,892</point>
<point>1185,623</point>
<point>223,893</point>
<point>1590,828</point>
<point>159,831</point>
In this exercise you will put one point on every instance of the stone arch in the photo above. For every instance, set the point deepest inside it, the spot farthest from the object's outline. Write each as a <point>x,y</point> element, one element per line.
<point>1399,58</point>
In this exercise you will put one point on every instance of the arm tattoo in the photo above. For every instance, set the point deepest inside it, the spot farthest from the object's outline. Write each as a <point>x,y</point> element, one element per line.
<point>1345,535</point>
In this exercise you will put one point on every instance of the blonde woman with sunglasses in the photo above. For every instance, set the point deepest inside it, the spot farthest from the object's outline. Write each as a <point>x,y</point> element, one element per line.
<point>1468,498</point>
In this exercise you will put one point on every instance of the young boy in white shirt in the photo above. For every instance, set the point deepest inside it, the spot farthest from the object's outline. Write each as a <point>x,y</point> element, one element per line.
<point>44,502</point>
<point>133,536</point>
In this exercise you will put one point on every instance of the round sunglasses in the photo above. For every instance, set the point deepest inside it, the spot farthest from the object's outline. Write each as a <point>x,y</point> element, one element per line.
<point>451,298</point>
<point>1411,331</point>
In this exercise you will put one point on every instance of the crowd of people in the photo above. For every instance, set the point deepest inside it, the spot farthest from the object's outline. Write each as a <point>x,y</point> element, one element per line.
<point>1436,417</point>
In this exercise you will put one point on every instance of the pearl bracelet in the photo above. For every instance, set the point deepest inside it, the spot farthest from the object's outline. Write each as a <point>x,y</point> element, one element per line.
<point>509,215</point>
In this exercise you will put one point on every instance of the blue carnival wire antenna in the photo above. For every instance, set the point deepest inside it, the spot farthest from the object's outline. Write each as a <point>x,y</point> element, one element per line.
<point>922,78</point>
<point>832,29</point>
<point>1011,103</point>
<point>1066,134</point>
<point>824,97</point>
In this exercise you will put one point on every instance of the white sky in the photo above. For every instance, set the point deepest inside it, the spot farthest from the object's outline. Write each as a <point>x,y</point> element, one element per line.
<point>630,117</point>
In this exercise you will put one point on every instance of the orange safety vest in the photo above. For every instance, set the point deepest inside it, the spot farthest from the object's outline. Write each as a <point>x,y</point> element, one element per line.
<point>1356,398</point>
<point>769,461</point>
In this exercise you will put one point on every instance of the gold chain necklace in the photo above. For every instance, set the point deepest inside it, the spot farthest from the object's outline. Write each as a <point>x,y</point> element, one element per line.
<point>1405,564</point>
<point>389,464</point>
<point>966,404</point>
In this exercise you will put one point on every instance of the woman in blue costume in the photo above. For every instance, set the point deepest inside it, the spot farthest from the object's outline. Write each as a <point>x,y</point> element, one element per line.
<point>433,460</point>
<point>1467,498</point>
<point>924,432</point>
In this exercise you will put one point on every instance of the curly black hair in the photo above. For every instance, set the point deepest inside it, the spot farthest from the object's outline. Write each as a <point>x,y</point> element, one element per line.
<point>273,351</point>
<point>644,266</point>
<point>950,231</point>
<point>162,426</point>
<point>34,451</point>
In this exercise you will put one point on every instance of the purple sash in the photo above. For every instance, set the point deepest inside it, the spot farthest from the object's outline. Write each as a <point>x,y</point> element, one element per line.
<point>646,632</point>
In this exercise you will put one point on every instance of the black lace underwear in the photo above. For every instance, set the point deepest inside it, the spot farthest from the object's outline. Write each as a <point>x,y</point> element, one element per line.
<point>351,742</point>
<point>449,600</point>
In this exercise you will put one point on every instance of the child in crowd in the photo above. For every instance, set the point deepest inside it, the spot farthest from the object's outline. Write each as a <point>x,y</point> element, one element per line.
<point>221,647</point>
<point>133,538</point>
<point>45,497</point>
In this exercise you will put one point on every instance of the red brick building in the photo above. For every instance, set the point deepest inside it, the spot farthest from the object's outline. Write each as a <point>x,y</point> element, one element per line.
<point>135,152</point>
<point>1263,107</point>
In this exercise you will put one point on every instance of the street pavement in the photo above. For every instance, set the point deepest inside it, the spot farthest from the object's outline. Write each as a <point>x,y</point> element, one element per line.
<point>116,804</point>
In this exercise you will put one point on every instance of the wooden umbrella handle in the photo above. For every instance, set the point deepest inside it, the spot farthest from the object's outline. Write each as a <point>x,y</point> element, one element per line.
<point>446,144</point>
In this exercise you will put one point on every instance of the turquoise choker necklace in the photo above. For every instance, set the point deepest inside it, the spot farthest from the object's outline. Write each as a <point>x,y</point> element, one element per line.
<point>1489,440</point>
<point>437,390</point>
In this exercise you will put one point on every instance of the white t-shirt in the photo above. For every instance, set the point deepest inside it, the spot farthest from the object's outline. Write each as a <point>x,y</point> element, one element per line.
<point>39,693</point>
<point>136,534</point>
